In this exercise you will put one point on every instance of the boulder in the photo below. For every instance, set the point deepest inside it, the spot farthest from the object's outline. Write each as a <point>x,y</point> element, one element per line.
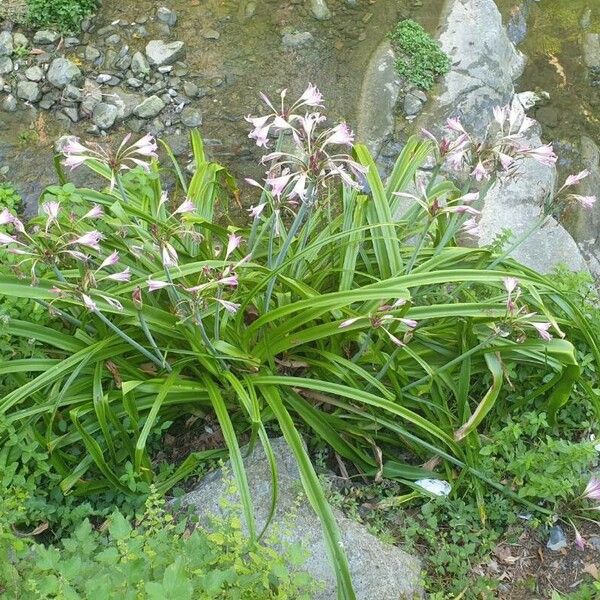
<point>161,53</point>
<point>62,72</point>
<point>379,571</point>
<point>149,108</point>
<point>380,91</point>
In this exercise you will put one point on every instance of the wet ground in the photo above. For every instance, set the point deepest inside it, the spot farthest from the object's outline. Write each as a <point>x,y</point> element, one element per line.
<point>234,51</point>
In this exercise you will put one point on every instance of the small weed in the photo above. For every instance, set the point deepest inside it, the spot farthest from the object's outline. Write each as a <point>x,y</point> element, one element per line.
<point>419,57</point>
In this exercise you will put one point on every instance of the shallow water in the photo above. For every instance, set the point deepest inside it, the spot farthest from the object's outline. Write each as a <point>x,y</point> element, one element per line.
<point>247,58</point>
<point>554,47</point>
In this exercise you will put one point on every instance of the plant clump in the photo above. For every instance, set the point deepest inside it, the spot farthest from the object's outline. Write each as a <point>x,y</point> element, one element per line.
<point>419,57</point>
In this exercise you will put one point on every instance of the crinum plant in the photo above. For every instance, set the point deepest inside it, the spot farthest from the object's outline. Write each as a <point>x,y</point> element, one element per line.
<point>321,317</point>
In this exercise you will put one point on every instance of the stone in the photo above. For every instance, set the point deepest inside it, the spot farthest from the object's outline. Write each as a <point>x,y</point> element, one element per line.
<point>113,40</point>
<point>412,105</point>
<point>190,89</point>
<point>320,10</point>
<point>379,571</point>
<point>134,82</point>
<point>379,95</point>
<point>28,91</point>
<point>103,78</point>
<point>139,64</point>
<point>20,40</point>
<point>72,113</point>
<point>161,53</point>
<point>72,93</point>
<point>297,39</point>
<point>211,34</point>
<point>92,54</point>
<point>71,42</point>
<point>557,539</point>
<point>249,9</point>
<point>124,101</point>
<point>34,74</point>
<point>166,15</point>
<point>45,37</point>
<point>591,50</point>
<point>92,95</point>
<point>191,117</point>
<point>149,108</point>
<point>104,115</point>
<point>62,72</point>
<point>6,65</point>
<point>9,104</point>
<point>123,63</point>
<point>6,43</point>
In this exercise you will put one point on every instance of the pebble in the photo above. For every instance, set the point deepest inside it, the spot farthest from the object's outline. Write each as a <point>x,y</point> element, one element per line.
<point>149,108</point>
<point>103,78</point>
<point>139,64</point>
<point>34,74</point>
<point>166,15</point>
<point>135,83</point>
<point>6,65</point>
<point>190,89</point>
<point>9,104</point>
<point>161,53</point>
<point>20,41</point>
<point>72,113</point>
<point>45,37</point>
<point>191,117</point>
<point>29,91</point>
<point>320,10</point>
<point>62,71</point>
<point>6,43</point>
<point>92,54</point>
<point>557,540</point>
<point>211,34</point>
<point>297,39</point>
<point>104,115</point>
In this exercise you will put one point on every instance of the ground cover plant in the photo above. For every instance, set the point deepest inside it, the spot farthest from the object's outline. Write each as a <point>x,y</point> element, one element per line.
<point>332,314</point>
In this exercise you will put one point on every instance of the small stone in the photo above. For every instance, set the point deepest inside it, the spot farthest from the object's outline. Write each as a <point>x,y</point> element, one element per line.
<point>45,37</point>
<point>190,89</point>
<point>166,15</point>
<point>139,64</point>
<point>92,54</point>
<point>62,71</point>
<point>320,10</point>
<point>103,78</point>
<point>71,42</point>
<point>72,113</point>
<point>6,43</point>
<point>104,115</point>
<point>586,19</point>
<point>123,63</point>
<point>9,104</point>
<point>591,50</point>
<point>297,39</point>
<point>161,53</point>
<point>135,83</point>
<point>412,105</point>
<point>191,117</point>
<point>149,108</point>
<point>20,41</point>
<point>6,65</point>
<point>165,69</point>
<point>594,541</point>
<point>211,34</point>
<point>72,93</point>
<point>47,102</point>
<point>557,540</point>
<point>86,24</point>
<point>34,74</point>
<point>113,40</point>
<point>28,91</point>
<point>250,9</point>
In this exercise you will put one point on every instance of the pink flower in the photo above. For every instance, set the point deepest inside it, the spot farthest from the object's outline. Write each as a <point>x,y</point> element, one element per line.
<point>506,161</point>
<point>91,239</point>
<point>185,207</point>
<point>455,125</point>
<point>145,146</point>
<point>462,209</point>
<point>585,201</point>
<point>51,209</point>
<point>94,213</point>
<point>299,189</point>
<point>510,284</point>
<point>349,322</point>
<point>480,172</point>
<point>112,302</point>
<point>8,239</point>
<point>500,115</point>
<point>156,284</point>
<point>470,197</point>
<point>542,329</point>
<point>575,179</point>
<point>229,280</point>
<point>410,323</point>
<point>470,227</point>
<point>80,256</point>
<point>233,242</point>
<point>341,134</point>
<point>311,96</point>
<point>124,275</point>
<point>394,339</point>
<point>543,154</point>
<point>579,541</point>
<point>230,307</point>
<point>110,260</point>
<point>278,184</point>
<point>592,490</point>
<point>169,255</point>
<point>256,211</point>
<point>89,303</point>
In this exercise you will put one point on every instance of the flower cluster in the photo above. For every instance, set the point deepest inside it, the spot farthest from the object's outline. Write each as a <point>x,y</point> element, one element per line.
<point>313,161</point>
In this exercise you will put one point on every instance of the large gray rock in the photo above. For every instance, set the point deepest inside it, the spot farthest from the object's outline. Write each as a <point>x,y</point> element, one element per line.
<point>162,53</point>
<point>62,72</point>
<point>149,108</point>
<point>379,571</point>
<point>380,91</point>
<point>6,43</point>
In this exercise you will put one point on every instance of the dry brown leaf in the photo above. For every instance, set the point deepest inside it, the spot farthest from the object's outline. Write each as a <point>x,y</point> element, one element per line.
<point>591,569</point>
